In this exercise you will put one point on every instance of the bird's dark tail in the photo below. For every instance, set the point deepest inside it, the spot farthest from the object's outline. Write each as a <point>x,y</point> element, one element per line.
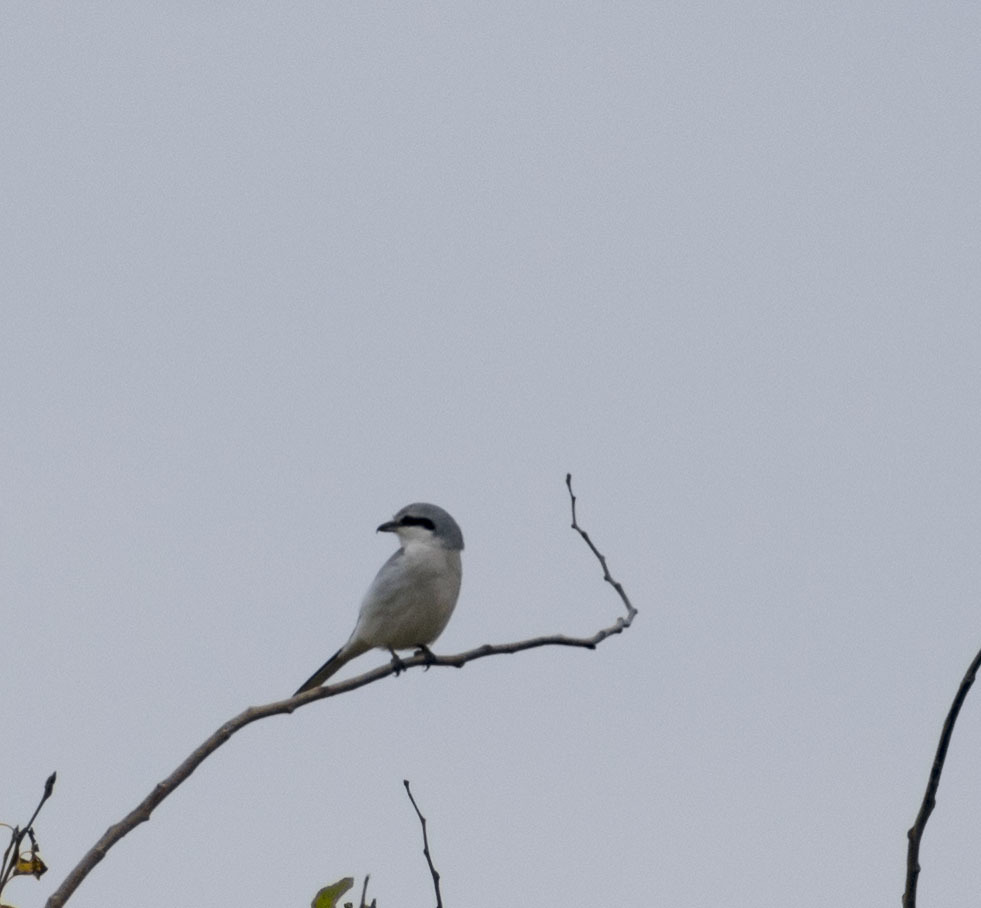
<point>333,664</point>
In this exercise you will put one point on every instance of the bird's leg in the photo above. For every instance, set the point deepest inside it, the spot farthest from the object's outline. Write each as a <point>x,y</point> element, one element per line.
<point>428,653</point>
<point>397,663</point>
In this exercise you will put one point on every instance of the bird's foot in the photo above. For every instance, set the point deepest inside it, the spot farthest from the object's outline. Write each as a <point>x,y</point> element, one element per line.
<point>397,663</point>
<point>429,654</point>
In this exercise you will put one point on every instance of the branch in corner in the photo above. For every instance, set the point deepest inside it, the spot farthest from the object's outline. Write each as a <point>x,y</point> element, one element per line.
<point>16,862</point>
<point>915,833</point>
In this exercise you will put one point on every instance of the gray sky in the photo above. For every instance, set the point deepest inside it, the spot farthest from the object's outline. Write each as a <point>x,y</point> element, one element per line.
<point>271,273</point>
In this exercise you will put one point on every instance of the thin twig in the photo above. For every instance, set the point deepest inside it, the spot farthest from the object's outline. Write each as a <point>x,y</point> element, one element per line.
<point>631,611</point>
<point>915,833</point>
<point>142,812</point>
<point>425,844</point>
<point>49,785</point>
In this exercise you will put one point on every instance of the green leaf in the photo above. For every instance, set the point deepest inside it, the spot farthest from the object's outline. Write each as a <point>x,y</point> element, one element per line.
<point>328,896</point>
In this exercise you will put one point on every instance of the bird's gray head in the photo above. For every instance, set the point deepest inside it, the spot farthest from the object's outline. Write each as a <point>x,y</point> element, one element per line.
<point>422,522</point>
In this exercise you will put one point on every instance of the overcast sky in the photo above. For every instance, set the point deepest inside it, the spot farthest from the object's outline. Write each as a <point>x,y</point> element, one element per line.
<point>270,272</point>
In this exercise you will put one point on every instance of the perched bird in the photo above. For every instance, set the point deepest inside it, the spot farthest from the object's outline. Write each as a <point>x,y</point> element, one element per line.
<point>413,595</point>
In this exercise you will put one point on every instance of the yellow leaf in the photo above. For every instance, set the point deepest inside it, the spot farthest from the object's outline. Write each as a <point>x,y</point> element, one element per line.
<point>328,896</point>
<point>30,862</point>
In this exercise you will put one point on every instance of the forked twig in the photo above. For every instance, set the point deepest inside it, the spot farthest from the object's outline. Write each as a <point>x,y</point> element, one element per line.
<point>11,855</point>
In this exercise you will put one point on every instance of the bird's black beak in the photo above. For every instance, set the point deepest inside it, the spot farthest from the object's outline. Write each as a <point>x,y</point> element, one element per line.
<point>390,527</point>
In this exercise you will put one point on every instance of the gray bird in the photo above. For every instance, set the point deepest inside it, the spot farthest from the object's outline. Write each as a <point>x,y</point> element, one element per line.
<point>412,597</point>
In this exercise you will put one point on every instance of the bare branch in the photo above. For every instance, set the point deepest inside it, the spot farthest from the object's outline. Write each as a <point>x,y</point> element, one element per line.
<point>915,833</point>
<point>425,845</point>
<point>142,812</point>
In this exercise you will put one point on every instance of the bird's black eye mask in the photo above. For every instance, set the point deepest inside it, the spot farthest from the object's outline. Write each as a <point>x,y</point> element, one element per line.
<point>408,521</point>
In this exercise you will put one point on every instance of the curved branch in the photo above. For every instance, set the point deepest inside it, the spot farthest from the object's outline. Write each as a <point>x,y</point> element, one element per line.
<point>142,812</point>
<point>915,833</point>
